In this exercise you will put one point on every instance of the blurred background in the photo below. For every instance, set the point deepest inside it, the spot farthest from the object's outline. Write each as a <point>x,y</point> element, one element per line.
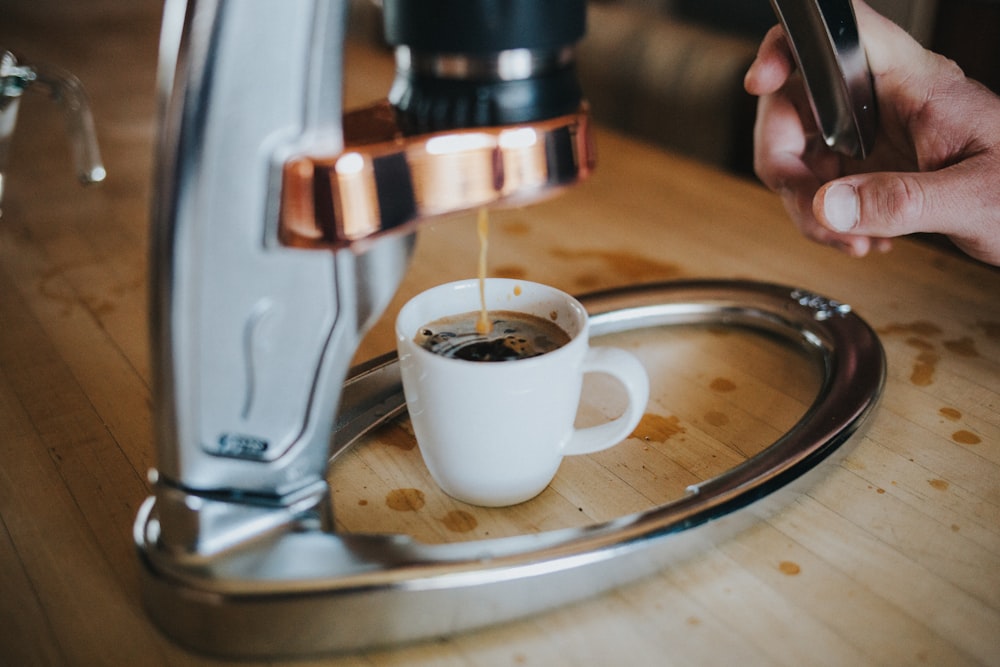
<point>666,71</point>
<point>671,71</point>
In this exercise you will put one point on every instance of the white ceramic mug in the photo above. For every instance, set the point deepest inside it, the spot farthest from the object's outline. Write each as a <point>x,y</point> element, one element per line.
<point>494,433</point>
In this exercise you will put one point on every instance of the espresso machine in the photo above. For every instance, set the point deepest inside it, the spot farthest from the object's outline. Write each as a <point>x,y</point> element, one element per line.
<point>282,226</point>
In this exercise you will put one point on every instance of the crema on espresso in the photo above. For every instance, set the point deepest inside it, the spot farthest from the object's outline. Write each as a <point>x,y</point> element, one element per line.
<point>512,335</point>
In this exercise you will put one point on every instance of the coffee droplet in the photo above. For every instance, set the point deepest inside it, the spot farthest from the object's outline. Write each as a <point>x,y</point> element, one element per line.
<point>515,227</point>
<point>716,418</point>
<point>963,347</point>
<point>394,435</point>
<point>922,327</point>
<point>459,521</point>
<point>627,266</point>
<point>950,413</point>
<point>920,344</point>
<point>405,500</point>
<point>722,385</point>
<point>510,271</point>
<point>992,329</point>
<point>922,374</point>
<point>964,437</point>
<point>655,428</point>
<point>789,568</point>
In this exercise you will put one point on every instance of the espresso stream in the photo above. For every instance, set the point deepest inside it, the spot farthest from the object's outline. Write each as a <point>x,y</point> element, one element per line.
<point>490,336</point>
<point>483,226</point>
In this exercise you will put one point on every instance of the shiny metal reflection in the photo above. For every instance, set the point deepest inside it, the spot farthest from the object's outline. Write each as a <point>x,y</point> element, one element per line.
<point>384,181</point>
<point>303,590</point>
<point>823,35</point>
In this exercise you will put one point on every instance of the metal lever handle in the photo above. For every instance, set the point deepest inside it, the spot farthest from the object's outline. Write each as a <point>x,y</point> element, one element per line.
<point>823,36</point>
<point>66,91</point>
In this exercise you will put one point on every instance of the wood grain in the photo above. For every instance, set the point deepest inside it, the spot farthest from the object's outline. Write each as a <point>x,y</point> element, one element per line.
<point>894,558</point>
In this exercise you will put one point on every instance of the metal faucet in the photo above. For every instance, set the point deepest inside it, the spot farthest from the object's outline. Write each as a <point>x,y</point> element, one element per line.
<point>63,88</point>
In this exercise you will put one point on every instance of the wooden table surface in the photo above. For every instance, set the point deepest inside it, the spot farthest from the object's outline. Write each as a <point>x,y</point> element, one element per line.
<point>893,558</point>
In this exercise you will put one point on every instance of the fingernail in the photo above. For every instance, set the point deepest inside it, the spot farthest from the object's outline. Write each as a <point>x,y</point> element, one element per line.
<point>841,207</point>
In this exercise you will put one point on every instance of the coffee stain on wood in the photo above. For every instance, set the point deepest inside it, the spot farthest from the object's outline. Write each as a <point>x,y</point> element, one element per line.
<point>629,267</point>
<point>919,343</point>
<point>950,414</point>
<point>964,437</point>
<point>656,428</point>
<point>789,567</point>
<point>963,347</point>
<point>919,327</point>
<point>405,500</point>
<point>722,385</point>
<point>990,328</point>
<point>928,358</point>
<point>396,435</point>
<point>514,227</point>
<point>922,374</point>
<point>459,521</point>
<point>511,271</point>
<point>716,418</point>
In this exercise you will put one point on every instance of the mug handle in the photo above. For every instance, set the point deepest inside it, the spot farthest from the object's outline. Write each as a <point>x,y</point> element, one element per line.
<point>632,374</point>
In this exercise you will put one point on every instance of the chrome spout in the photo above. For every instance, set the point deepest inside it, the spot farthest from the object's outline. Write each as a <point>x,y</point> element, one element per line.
<point>384,182</point>
<point>65,90</point>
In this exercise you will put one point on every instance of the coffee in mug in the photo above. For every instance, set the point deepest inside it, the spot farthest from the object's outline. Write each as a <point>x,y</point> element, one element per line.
<point>494,434</point>
<point>512,336</point>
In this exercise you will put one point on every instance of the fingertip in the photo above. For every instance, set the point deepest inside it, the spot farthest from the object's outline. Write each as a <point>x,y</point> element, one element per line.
<point>840,207</point>
<point>759,79</point>
<point>750,79</point>
<point>856,246</point>
<point>882,246</point>
<point>772,65</point>
<point>842,247</point>
<point>861,246</point>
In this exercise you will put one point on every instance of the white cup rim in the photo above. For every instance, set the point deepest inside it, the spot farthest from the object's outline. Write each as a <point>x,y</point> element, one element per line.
<point>578,333</point>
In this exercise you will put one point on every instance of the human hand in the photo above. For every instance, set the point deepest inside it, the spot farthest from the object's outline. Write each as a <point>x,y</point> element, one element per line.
<point>935,166</point>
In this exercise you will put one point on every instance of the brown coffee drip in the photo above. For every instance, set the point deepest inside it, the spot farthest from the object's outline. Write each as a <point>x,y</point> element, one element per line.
<point>483,222</point>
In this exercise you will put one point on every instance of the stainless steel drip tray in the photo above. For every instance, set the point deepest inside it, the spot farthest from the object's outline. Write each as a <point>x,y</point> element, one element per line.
<point>309,591</point>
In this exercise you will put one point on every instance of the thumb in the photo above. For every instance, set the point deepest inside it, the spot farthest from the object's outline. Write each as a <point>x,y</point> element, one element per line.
<point>886,204</point>
<point>873,205</point>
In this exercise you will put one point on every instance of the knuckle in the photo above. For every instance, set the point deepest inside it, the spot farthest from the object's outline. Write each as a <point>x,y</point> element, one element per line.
<point>899,203</point>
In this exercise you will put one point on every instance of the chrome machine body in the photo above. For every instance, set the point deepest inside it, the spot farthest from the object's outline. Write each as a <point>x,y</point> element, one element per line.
<point>281,229</point>
<point>277,240</point>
